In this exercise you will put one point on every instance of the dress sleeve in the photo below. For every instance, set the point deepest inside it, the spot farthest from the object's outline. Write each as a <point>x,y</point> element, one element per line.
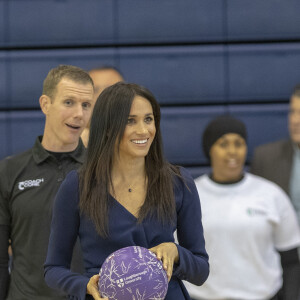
<point>63,235</point>
<point>193,259</point>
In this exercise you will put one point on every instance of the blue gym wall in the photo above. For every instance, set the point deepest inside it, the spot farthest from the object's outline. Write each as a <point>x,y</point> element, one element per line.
<point>199,58</point>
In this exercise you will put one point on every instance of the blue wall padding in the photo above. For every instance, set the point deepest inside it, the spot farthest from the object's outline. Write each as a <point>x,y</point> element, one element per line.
<point>170,21</point>
<point>3,19</point>
<point>60,22</point>
<point>4,97</point>
<point>177,75</point>
<point>4,147</point>
<point>23,129</point>
<point>266,72</point>
<point>182,128</point>
<point>199,170</point>
<point>263,20</point>
<point>103,22</point>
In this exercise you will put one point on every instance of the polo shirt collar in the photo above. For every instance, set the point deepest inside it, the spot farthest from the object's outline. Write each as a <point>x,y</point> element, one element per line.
<point>79,153</point>
<point>40,154</point>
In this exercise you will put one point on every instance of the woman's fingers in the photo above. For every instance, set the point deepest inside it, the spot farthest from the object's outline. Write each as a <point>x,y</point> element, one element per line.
<point>169,269</point>
<point>92,288</point>
<point>168,254</point>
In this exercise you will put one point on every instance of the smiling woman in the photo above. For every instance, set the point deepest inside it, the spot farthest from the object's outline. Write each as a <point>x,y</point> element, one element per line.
<point>126,194</point>
<point>139,132</point>
<point>249,224</point>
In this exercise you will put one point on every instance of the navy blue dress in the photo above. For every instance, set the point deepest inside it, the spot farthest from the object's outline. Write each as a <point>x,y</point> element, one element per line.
<point>68,223</point>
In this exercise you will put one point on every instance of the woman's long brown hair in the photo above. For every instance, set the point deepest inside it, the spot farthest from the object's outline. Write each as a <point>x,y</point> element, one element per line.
<point>107,127</point>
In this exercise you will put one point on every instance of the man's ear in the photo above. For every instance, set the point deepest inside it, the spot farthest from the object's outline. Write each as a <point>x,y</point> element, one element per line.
<point>45,103</point>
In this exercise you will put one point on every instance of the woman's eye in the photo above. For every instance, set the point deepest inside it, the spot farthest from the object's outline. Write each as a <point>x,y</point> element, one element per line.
<point>239,144</point>
<point>223,145</point>
<point>148,119</point>
<point>130,121</point>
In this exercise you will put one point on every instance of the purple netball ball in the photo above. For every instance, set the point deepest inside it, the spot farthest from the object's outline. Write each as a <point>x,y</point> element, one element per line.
<point>133,273</point>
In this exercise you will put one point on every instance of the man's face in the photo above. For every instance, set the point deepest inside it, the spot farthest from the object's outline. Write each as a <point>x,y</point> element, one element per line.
<point>294,119</point>
<point>103,79</point>
<point>67,114</point>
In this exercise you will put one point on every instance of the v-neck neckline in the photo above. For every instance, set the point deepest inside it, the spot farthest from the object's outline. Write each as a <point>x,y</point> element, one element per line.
<point>124,208</point>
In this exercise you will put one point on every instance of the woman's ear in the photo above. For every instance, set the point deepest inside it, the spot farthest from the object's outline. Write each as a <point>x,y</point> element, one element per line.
<point>45,103</point>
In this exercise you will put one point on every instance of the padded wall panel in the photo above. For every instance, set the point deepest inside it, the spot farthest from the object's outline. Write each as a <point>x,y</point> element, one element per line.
<point>3,22</point>
<point>60,22</point>
<point>28,70</point>
<point>265,123</point>
<point>177,75</point>
<point>3,135</point>
<point>182,129</point>
<point>170,21</point>
<point>267,19</point>
<point>24,128</point>
<point>263,72</point>
<point>198,171</point>
<point>3,80</point>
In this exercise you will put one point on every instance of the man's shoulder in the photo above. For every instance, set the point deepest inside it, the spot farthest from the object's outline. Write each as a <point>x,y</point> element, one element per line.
<point>263,183</point>
<point>16,160</point>
<point>10,169</point>
<point>273,146</point>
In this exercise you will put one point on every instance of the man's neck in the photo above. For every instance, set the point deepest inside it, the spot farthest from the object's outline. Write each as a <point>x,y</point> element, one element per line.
<point>57,146</point>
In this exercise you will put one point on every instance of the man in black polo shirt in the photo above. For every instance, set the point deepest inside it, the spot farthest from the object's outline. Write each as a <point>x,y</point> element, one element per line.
<point>30,180</point>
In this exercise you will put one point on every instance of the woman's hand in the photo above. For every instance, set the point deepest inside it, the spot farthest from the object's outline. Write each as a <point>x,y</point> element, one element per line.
<point>168,254</point>
<point>92,288</point>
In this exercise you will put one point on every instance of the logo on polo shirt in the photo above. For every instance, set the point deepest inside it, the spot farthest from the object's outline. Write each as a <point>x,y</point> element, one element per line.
<point>30,183</point>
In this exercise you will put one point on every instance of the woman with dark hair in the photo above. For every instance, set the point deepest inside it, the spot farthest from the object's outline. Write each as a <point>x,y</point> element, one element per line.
<point>126,194</point>
<point>251,229</point>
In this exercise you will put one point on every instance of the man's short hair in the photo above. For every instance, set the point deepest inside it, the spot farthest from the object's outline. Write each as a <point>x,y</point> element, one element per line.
<point>105,68</point>
<point>55,75</point>
<point>296,90</point>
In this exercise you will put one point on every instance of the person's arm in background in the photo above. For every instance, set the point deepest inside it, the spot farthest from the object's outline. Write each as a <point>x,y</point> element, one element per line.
<point>4,260</point>
<point>291,274</point>
<point>287,241</point>
<point>193,263</point>
<point>62,240</point>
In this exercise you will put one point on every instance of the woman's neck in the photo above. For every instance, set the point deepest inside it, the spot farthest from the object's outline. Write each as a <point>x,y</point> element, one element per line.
<point>128,169</point>
<point>129,184</point>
